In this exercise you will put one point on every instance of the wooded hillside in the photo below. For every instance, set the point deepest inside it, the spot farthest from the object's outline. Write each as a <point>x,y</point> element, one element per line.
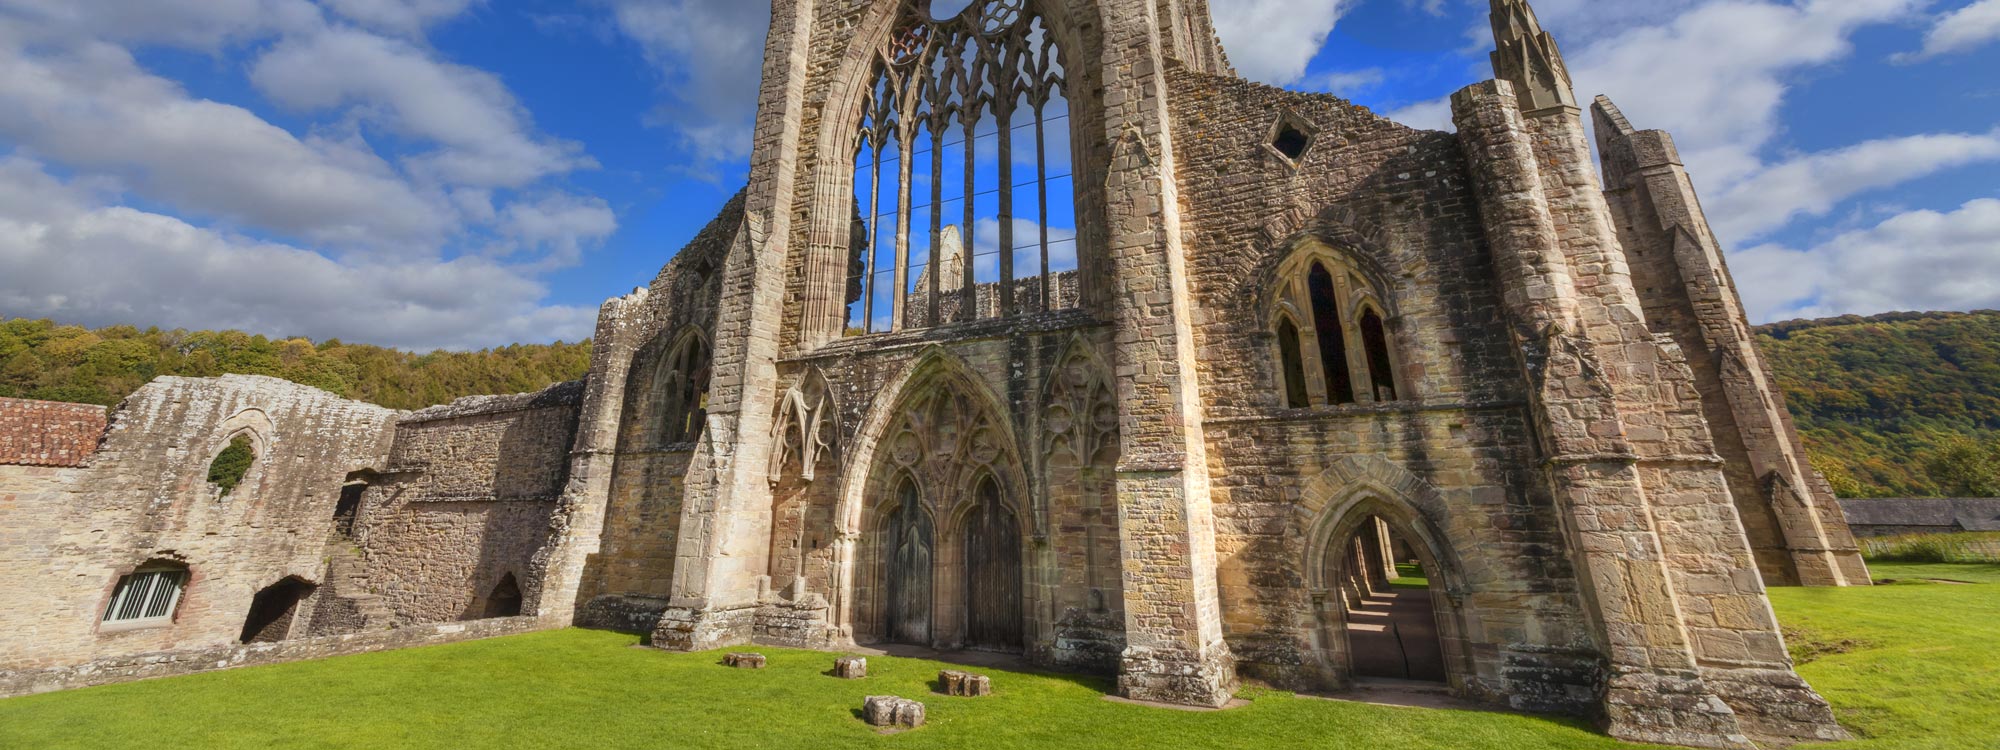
<point>42,360</point>
<point>1896,405</point>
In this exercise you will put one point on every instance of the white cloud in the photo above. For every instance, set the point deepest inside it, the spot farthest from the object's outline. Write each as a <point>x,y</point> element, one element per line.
<point>712,54</point>
<point>558,226</point>
<point>66,253</point>
<point>405,17</point>
<point>1812,185</point>
<point>1346,82</point>
<point>1920,260</point>
<point>1962,30</point>
<point>92,108</point>
<point>201,24</point>
<point>1273,40</point>
<point>486,138</point>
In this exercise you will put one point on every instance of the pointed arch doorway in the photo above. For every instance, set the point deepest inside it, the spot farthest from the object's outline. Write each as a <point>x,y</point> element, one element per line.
<point>910,544</point>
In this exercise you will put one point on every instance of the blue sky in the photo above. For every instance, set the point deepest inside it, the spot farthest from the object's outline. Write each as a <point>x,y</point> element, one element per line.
<point>466,173</point>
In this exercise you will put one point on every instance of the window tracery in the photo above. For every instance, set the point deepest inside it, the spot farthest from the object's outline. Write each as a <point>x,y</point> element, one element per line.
<point>964,217</point>
<point>1333,343</point>
<point>682,391</point>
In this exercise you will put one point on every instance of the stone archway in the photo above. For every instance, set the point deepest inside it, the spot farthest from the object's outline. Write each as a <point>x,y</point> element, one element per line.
<point>1364,625</point>
<point>938,476</point>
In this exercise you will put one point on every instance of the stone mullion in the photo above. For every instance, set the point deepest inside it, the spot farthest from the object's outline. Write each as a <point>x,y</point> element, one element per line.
<point>905,175</point>
<point>932,305</point>
<point>968,304</point>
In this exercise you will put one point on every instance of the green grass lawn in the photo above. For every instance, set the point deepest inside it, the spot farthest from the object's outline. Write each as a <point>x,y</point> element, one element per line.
<point>1919,671</point>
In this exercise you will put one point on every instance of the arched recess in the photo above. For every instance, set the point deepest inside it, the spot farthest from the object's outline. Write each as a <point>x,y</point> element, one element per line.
<point>1335,506</point>
<point>1079,461</point>
<point>805,464</point>
<point>833,237</point>
<point>274,610</point>
<point>254,426</point>
<point>941,433</point>
<point>680,389</point>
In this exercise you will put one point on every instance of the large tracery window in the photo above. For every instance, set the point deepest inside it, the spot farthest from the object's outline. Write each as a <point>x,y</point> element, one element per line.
<point>1333,342</point>
<point>963,171</point>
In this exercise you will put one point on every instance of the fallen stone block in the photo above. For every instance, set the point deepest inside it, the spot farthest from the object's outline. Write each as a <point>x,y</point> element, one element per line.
<point>964,684</point>
<point>891,711</point>
<point>850,667</point>
<point>744,661</point>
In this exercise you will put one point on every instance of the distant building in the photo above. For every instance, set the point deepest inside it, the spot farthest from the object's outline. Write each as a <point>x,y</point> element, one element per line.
<point>1905,516</point>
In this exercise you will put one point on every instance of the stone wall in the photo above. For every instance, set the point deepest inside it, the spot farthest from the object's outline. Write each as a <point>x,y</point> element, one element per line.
<point>73,533</point>
<point>466,500</point>
<point>1394,203</point>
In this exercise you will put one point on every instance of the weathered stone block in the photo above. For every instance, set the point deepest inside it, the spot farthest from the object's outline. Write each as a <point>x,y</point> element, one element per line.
<point>891,711</point>
<point>850,667</point>
<point>964,684</point>
<point>744,661</point>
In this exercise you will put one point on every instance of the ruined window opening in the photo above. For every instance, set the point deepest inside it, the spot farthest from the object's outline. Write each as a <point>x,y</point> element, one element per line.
<point>148,596</point>
<point>962,173</point>
<point>683,392</point>
<point>226,472</point>
<point>1292,364</point>
<point>1291,142</point>
<point>274,610</point>
<point>1332,336</point>
<point>505,599</point>
<point>1381,371</point>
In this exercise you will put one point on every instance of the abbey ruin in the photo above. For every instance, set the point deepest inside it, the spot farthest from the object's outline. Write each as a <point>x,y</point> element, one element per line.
<point>1038,331</point>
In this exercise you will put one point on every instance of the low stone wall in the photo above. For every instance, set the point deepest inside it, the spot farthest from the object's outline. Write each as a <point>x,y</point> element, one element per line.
<point>176,663</point>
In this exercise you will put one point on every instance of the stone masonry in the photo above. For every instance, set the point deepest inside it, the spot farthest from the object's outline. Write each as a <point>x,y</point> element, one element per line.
<point>1295,340</point>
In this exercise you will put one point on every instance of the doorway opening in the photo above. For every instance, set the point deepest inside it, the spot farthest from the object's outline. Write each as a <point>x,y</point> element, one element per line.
<point>273,611</point>
<point>1386,595</point>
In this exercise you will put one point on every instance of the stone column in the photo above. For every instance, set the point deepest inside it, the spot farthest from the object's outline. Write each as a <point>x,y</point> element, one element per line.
<point>578,523</point>
<point>1173,621</point>
<point>726,516</point>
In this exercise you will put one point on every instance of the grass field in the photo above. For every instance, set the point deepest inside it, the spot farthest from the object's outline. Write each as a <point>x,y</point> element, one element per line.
<point>1909,666</point>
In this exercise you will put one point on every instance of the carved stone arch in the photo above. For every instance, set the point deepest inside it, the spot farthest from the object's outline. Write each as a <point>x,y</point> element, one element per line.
<point>1342,253</point>
<point>934,367</point>
<point>1079,386</point>
<point>251,422</point>
<point>807,429</point>
<point>899,416</point>
<point>1332,508</point>
<point>670,376</point>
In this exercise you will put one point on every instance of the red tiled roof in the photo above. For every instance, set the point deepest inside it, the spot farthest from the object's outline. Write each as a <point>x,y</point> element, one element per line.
<point>48,433</point>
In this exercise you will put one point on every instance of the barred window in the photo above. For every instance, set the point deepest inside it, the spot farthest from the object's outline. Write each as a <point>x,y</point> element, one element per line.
<point>148,596</point>
<point>963,172</point>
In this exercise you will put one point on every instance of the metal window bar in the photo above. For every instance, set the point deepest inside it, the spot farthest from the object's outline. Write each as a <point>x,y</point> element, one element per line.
<point>146,595</point>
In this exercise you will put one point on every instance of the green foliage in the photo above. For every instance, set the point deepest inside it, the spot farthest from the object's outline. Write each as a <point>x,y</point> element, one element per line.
<point>1906,666</point>
<point>1900,405</point>
<point>1934,548</point>
<point>229,466</point>
<point>42,360</point>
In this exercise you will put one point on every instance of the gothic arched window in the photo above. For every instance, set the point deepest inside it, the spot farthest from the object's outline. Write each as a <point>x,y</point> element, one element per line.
<point>1344,354</point>
<point>683,391</point>
<point>962,172</point>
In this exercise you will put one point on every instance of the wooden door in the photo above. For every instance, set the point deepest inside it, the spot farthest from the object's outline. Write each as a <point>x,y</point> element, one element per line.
<point>909,589</point>
<point>992,574</point>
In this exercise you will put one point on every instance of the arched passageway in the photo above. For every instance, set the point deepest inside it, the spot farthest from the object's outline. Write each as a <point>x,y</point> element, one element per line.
<point>1392,626</point>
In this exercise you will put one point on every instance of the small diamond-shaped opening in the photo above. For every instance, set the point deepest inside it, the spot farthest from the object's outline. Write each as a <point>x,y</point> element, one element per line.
<point>1291,141</point>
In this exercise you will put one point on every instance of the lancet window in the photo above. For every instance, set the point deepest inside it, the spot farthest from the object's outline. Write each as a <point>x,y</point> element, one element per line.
<point>1333,344</point>
<point>963,172</point>
<point>682,391</point>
